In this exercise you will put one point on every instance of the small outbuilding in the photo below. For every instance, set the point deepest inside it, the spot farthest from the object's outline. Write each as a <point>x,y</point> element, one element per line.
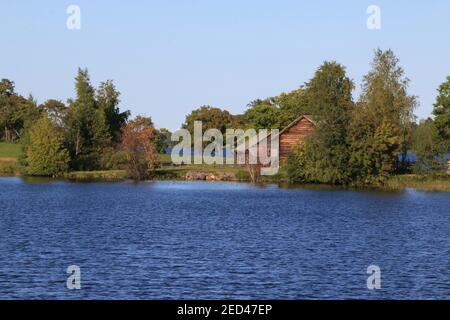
<point>294,134</point>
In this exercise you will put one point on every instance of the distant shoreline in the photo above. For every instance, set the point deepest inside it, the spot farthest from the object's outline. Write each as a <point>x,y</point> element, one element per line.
<point>433,183</point>
<point>10,167</point>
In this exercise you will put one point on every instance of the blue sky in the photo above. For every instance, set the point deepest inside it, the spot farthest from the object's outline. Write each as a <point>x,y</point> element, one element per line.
<point>169,57</point>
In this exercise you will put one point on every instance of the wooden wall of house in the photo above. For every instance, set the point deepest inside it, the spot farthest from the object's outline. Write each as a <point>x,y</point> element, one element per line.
<point>289,139</point>
<point>294,135</point>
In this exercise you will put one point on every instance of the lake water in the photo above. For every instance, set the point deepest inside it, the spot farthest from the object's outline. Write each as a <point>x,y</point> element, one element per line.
<point>198,240</point>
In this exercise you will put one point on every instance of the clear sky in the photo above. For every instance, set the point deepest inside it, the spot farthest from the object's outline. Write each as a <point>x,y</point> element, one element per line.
<point>169,57</point>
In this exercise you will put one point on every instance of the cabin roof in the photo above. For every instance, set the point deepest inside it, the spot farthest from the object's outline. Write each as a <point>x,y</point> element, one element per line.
<point>293,123</point>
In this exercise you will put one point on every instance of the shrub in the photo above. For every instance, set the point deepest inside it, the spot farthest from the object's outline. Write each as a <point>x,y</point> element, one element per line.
<point>45,154</point>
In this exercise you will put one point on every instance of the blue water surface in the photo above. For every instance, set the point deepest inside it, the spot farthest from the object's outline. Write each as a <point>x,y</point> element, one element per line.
<point>199,240</point>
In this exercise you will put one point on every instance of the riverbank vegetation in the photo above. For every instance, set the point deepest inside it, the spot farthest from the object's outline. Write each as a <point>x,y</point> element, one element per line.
<point>367,142</point>
<point>431,181</point>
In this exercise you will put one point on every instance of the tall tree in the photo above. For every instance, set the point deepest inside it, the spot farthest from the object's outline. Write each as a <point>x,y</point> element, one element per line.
<point>324,157</point>
<point>441,111</point>
<point>87,131</point>
<point>108,100</point>
<point>45,154</point>
<point>382,122</point>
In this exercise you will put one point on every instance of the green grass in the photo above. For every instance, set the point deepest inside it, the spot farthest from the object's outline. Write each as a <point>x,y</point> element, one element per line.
<point>9,169</point>
<point>105,175</point>
<point>10,150</point>
<point>164,158</point>
<point>436,181</point>
<point>167,158</point>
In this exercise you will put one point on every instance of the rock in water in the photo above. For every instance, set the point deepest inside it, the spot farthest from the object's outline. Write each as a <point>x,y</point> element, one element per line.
<point>195,176</point>
<point>219,176</point>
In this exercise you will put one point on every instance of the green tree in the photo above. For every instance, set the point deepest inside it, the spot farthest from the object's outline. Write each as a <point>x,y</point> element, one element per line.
<point>270,113</point>
<point>87,133</point>
<point>382,121</point>
<point>441,111</point>
<point>56,110</point>
<point>276,112</point>
<point>45,154</point>
<point>262,116</point>
<point>108,100</point>
<point>292,105</point>
<point>7,87</point>
<point>163,140</point>
<point>16,112</point>
<point>324,156</point>
<point>211,117</point>
<point>27,113</point>
<point>426,145</point>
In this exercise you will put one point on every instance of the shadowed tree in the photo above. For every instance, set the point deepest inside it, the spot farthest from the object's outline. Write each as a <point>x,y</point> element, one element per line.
<point>163,140</point>
<point>16,112</point>
<point>426,145</point>
<point>441,111</point>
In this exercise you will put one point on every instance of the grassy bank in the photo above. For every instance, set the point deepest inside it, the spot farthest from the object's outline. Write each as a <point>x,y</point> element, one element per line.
<point>105,175</point>
<point>9,166</point>
<point>9,152</point>
<point>438,181</point>
<point>179,172</point>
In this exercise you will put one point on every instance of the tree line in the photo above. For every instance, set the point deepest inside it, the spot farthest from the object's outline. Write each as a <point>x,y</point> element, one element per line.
<point>361,141</point>
<point>89,132</point>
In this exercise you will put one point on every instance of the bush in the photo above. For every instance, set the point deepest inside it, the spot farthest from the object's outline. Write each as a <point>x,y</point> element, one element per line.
<point>295,165</point>
<point>138,142</point>
<point>113,160</point>
<point>45,154</point>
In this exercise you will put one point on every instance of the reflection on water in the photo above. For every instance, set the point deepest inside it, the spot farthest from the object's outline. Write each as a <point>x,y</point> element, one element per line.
<point>193,240</point>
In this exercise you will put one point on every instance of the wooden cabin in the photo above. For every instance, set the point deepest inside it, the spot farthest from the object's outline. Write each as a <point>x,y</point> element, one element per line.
<point>294,134</point>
